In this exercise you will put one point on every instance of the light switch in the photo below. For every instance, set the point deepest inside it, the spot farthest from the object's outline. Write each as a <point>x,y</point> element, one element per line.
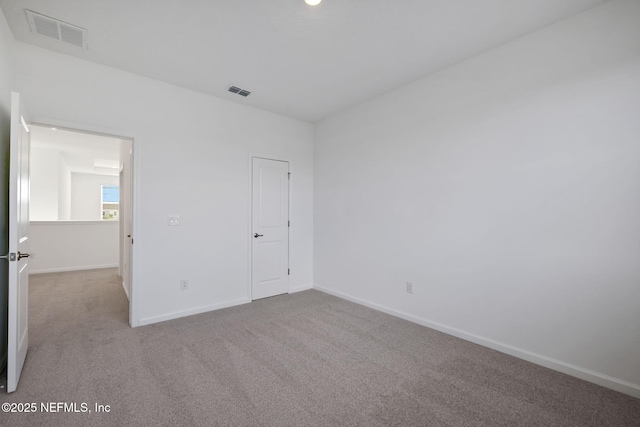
<point>174,220</point>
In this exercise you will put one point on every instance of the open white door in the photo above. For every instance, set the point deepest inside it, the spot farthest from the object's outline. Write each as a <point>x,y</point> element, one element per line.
<point>270,222</point>
<point>125,218</point>
<point>18,244</point>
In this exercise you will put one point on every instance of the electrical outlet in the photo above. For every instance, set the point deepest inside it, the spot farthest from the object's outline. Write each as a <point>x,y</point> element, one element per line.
<point>184,285</point>
<point>173,220</point>
<point>409,287</point>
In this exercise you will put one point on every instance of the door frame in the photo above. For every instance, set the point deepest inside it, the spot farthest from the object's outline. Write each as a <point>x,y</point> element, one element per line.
<point>278,158</point>
<point>134,317</point>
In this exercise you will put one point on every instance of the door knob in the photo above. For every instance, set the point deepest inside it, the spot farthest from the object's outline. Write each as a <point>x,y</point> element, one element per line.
<point>258,235</point>
<point>21,255</point>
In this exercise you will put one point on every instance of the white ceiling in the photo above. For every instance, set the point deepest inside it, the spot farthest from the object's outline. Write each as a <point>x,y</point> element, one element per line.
<point>80,151</point>
<point>297,60</point>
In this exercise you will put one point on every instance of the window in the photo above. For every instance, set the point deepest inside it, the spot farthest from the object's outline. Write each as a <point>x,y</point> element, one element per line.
<point>110,202</point>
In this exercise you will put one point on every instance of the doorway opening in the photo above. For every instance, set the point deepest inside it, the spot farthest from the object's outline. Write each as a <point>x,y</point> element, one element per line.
<point>81,202</point>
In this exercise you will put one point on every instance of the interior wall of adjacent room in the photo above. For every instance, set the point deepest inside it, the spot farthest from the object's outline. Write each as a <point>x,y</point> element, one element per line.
<point>59,194</point>
<point>191,158</point>
<point>6,86</point>
<point>44,177</point>
<point>73,245</point>
<point>86,195</point>
<point>64,190</point>
<point>507,189</point>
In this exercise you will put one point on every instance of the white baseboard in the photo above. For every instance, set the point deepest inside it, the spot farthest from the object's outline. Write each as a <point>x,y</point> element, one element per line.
<point>191,312</point>
<point>79,268</point>
<point>301,288</point>
<point>557,365</point>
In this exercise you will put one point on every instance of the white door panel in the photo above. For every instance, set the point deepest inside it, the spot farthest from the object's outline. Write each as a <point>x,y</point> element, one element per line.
<point>270,261</point>
<point>18,322</point>
<point>270,228</point>
<point>270,205</point>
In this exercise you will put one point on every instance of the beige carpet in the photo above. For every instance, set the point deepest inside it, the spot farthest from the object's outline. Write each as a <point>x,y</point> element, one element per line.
<point>294,360</point>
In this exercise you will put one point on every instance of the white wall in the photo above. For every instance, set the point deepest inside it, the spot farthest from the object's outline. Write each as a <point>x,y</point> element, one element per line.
<point>44,176</point>
<point>64,245</point>
<point>64,190</point>
<point>59,194</point>
<point>86,195</point>
<point>70,245</point>
<point>507,188</point>
<point>191,158</point>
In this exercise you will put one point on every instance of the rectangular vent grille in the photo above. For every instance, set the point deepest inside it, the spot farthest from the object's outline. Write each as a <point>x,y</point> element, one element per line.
<point>241,92</point>
<point>58,30</point>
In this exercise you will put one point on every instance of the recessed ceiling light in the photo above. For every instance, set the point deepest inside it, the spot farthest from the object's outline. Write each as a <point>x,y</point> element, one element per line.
<point>312,2</point>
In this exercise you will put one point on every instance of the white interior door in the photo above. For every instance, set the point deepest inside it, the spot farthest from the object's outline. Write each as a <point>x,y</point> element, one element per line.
<point>18,244</point>
<point>270,228</point>
<point>126,218</point>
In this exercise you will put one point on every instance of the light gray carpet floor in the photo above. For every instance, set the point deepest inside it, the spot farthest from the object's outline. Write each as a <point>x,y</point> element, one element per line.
<point>293,360</point>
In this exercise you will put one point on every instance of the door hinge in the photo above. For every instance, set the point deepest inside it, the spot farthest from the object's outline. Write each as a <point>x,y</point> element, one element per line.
<point>288,272</point>
<point>288,223</point>
<point>289,175</point>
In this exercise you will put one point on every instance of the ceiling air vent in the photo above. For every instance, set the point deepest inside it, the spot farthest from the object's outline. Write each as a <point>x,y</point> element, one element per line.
<point>242,92</point>
<point>58,30</point>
